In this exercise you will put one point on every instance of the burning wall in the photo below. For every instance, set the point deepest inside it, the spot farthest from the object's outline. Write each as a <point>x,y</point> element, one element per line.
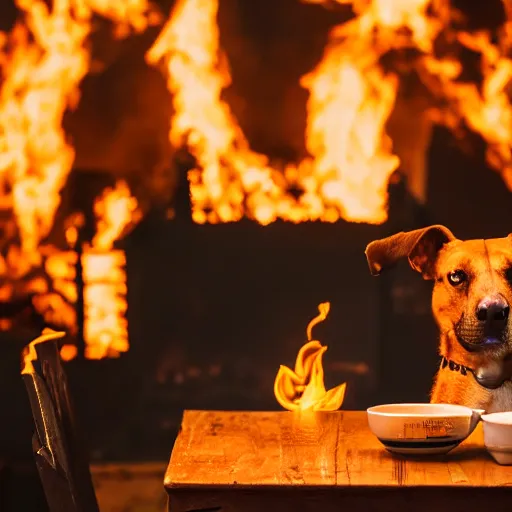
<point>43,60</point>
<point>350,156</point>
<point>380,56</point>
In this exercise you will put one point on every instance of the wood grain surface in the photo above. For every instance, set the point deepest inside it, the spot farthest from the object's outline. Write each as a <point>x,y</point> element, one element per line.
<point>248,460</point>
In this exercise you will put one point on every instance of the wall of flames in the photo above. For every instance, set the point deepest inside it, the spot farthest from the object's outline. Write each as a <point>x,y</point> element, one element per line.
<point>351,97</point>
<point>42,63</point>
<point>44,58</point>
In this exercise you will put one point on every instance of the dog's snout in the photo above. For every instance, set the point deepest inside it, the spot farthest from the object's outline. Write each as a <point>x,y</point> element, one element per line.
<point>493,310</point>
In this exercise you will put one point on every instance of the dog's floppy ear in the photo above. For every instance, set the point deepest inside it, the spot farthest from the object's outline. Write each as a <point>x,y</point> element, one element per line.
<point>419,246</point>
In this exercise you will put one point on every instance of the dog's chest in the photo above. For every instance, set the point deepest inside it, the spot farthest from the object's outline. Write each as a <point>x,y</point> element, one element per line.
<point>501,399</point>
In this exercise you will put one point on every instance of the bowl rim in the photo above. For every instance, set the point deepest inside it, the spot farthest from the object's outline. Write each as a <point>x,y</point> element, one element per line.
<point>494,418</point>
<point>458,411</point>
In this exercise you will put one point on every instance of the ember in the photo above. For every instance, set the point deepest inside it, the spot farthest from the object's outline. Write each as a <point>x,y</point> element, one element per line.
<point>304,388</point>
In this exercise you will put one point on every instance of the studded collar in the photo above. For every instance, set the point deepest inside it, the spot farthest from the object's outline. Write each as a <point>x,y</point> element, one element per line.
<point>455,367</point>
<point>487,377</point>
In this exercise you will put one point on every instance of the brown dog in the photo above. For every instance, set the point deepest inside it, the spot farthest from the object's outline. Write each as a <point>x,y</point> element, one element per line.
<point>471,304</point>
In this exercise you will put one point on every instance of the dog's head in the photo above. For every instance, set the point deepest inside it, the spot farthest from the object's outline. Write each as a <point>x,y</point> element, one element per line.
<point>472,283</point>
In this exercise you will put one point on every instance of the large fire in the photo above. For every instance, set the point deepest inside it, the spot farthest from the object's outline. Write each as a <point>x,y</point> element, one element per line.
<point>351,97</point>
<point>303,388</point>
<point>351,160</point>
<point>42,63</point>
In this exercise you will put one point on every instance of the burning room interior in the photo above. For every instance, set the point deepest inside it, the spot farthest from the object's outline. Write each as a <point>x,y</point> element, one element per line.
<point>187,185</point>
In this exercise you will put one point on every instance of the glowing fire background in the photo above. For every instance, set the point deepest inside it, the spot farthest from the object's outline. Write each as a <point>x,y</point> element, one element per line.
<point>208,312</point>
<point>367,65</point>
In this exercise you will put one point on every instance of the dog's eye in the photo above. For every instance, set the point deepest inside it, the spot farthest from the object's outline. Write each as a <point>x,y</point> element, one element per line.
<point>457,277</point>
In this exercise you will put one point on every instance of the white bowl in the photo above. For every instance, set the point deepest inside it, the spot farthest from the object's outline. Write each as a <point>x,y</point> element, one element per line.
<point>422,428</point>
<point>498,436</point>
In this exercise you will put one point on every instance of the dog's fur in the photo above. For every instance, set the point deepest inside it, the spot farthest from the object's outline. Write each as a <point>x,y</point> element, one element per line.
<point>435,252</point>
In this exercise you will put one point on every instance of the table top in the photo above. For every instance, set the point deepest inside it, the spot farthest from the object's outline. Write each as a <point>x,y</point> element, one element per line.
<point>220,448</point>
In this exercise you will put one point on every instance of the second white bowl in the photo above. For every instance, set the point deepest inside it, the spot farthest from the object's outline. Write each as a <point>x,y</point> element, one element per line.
<point>498,436</point>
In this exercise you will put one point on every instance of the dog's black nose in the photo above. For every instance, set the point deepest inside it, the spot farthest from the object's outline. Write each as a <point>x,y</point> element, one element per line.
<point>493,310</point>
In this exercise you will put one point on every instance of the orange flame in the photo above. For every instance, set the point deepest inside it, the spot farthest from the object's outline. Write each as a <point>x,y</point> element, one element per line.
<point>68,352</point>
<point>42,62</point>
<point>350,162</point>
<point>115,210</point>
<point>105,325</point>
<point>350,101</point>
<point>57,302</point>
<point>105,305</point>
<point>30,353</point>
<point>303,388</point>
<point>485,108</point>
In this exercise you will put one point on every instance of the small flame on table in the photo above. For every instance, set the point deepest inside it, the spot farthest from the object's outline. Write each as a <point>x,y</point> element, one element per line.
<point>303,388</point>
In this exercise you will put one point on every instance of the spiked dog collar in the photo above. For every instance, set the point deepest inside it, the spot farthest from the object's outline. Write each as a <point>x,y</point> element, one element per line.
<point>455,367</point>
<point>484,376</point>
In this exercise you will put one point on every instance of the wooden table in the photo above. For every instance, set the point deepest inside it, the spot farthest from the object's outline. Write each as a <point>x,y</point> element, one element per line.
<point>266,461</point>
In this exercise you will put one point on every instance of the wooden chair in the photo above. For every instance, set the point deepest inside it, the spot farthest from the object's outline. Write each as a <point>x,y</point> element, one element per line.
<point>59,449</point>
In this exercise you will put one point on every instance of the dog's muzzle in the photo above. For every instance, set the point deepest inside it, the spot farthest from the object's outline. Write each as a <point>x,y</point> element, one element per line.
<point>489,326</point>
